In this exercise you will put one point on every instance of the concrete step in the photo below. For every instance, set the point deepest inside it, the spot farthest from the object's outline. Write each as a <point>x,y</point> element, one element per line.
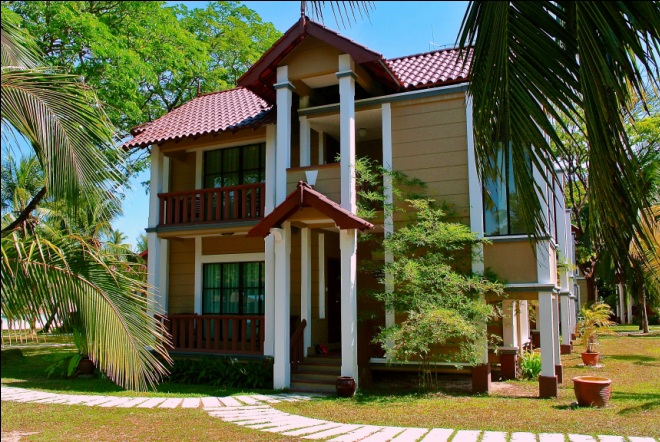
<point>313,386</point>
<point>314,376</point>
<point>329,359</point>
<point>319,368</point>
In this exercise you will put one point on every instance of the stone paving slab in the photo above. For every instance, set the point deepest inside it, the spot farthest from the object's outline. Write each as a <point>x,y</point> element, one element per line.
<point>248,400</point>
<point>466,436</point>
<point>580,438</point>
<point>439,435</point>
<point>358,434</point>
<point>293,424</point>
<point>191,402</point>
<point>411,435</point>
<point>495,436</point>
<point>171,403</point>
<point>134,402</point>
<point>611,439</point>
<point>551,437</point>
<point>641,439</point>
<point>523,437</point>
<point>267,399</point>
<point>210,402</point>
<point>341,429</point>
<point>311,430</point>
<point>117,402</point>
<point>229,401</point>
<point>152,403</point>
<point>385,434</point>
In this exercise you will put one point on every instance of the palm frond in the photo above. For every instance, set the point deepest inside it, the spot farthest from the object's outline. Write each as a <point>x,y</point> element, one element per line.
<point>105,295</point>
<point>344,12</point>
<point>18,49</point>
<point>535,63</point>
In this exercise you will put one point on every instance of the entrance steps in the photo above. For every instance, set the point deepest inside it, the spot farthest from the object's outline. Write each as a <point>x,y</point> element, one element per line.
<point>317,373</point>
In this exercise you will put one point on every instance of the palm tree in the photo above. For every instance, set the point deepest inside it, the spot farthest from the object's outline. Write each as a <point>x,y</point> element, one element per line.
<point>58,266</point>
<point>533,64</point>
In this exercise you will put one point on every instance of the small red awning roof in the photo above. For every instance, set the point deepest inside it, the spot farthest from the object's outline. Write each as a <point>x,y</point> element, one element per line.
<point>305,196</point>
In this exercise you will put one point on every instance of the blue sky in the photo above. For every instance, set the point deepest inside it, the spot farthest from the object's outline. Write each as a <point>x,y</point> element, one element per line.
<point>393,28</point>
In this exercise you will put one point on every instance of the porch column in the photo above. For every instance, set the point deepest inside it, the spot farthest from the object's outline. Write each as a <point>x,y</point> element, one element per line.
<point>348,246</point>
<point>388,222</point>
<point>523,323</point>
<point>481,376</point>
<point>157,260</point>
<point>555,344</point>
<point>284,90</point>
<point>305,143</point>
<point>509,351</point>
<point>548,379</point>
<point>321,276</point>
<point>348,238</point>
<point>306,285</point>
<point>282,363</point>
<point>347,131</point>
<point>565,299</point>
<point>269,245</point>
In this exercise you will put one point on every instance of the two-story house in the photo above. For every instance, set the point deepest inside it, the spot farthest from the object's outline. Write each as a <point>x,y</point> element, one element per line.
<point>252,221</point>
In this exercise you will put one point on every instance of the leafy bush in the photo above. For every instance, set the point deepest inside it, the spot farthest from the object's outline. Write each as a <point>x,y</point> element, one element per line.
<point>223,372</point>
<point>530,365</point>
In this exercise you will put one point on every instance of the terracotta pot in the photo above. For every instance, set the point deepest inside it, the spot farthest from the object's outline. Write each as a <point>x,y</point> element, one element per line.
<point>345,386</point>
<point>590,359</point>
<point>592,391</point>
<point>85,366</point>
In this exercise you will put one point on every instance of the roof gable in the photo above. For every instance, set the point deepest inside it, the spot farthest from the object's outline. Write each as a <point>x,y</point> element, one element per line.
<point>262,75</point>
<point>305,196</point>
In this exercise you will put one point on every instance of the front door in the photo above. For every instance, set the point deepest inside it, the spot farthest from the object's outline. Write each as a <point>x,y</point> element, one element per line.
<point>334,300</point>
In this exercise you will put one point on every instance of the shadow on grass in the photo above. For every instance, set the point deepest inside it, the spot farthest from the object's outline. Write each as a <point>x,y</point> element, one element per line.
<point>647,361</point>
<point>641,408</point>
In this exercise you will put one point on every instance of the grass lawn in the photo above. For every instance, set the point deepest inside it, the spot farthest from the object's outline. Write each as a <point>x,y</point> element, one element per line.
<point>75,422</point>
<point>632,362</point>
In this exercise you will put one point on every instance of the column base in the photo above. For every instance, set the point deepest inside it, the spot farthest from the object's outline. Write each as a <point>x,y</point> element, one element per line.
<point>481,378</point>
<point>559,373</point>
<point>509,364</point>
<point>566,349</point>
<point>548,387</point>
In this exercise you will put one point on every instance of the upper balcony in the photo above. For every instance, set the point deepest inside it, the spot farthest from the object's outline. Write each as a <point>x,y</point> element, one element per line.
<point>216,205</point>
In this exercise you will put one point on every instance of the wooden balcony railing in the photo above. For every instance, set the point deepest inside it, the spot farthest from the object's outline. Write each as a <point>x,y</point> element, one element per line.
<point>232,203</point>
<point>230,334</point>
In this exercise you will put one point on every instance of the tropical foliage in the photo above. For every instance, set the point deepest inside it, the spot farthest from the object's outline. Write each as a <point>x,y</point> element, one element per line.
<point>582,63</point>
<point>54,262</point>
<point>593,322</point>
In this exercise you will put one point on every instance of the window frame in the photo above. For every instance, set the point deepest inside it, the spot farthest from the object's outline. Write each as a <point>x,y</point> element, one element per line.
<point>241,162</point>
<point>241,287</point>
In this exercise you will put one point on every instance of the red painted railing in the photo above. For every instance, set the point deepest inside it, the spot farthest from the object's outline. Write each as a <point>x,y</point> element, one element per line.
<point>232,203</point>
<point>230,334</point>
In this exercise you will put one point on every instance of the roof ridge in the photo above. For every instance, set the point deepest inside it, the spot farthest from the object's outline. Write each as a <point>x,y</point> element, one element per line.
<point>426,53</point>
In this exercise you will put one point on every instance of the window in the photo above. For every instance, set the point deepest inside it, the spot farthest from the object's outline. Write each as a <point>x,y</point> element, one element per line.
<point>500,199</point>
<point>233,288</point>
<point>235,166</point>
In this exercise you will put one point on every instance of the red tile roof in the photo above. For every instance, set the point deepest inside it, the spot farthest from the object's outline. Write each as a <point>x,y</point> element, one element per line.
<point>431,68</point>
<point>211,113</point>
<point>305,196</point>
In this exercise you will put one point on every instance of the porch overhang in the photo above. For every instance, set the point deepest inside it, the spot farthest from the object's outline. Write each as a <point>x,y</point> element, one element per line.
<point>306,197</point>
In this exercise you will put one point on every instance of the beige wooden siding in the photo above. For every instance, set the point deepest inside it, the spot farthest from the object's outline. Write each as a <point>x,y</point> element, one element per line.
<point>182,173</point>
<point>228,245</point>
<point>310,58</point>
<point>429,142</point>
<point>328,181</point>
<point>182,276</point>
<point>512,262</point>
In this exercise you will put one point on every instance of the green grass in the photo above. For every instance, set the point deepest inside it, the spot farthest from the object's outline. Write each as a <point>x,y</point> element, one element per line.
<point>633,364</point>
<point>75,422</point>
<point>29,371</point>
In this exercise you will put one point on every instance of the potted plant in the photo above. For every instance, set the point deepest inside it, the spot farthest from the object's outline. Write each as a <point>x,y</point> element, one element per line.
<point>594,321</point>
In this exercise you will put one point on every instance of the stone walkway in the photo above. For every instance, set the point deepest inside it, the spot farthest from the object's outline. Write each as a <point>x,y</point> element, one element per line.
<point>254,411</point>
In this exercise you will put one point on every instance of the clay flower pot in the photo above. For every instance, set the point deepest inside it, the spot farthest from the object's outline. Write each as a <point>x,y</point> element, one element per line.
<point>85,366</point>
<point>590,358</point>
<point>345,386</point>
<point>592,391</point>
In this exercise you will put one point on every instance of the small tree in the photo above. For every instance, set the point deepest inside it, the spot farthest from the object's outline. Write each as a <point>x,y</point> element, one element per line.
<point>443,304</point>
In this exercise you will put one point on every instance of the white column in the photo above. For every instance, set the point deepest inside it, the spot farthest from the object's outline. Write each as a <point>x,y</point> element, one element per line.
<point>269,296</point>
<point>155,266</point>
<point>523,323</point>
<point>388,222</point>
<point>547,334</point>
<point>555,330</point>
<point>622,303</point>
<point>269,245</point>
<point>306,285</point>
<point>476,205</point>
<point>198,275</point>
<point>347,131</point>
<point>348,247</point>
<point>283,144</point>
<point>321,147</point>
<point>164,275</point>
<point>509,323</point>
<point>305,143</point>
<point>269,197</point>
<point>321,276</point>
<point>282,363</point>
<point>565,299</point>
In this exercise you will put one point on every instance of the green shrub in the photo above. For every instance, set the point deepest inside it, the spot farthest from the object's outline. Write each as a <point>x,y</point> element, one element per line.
<point>530,365</point>
<point>223,372</point>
